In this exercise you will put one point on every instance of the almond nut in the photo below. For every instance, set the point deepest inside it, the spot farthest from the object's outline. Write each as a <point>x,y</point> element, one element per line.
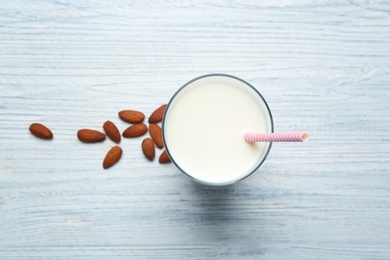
<point>90,136</point>
<point>112,131</point>
<point>148,148</point>
<point>135,130</point>
<point>157,115</point>
<point>131,116</point>
<point>164,158</point>
<point>156,134</point>
<point>41,131</point>
<point>112,157</point>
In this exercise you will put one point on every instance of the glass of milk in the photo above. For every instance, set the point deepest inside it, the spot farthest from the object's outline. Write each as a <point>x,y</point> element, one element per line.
<point>203,129</point>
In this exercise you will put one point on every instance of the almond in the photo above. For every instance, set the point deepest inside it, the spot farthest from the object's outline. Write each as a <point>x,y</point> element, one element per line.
<point>112,157</point>
<point>148,148</point>
<point>112,131</point>
<point>90,136</point>
<point>135,130</point>
<point>157,115</point>
<point>164,158</point>
<point>132,116</point>
<point>41,131</point>
<point>156,134</point>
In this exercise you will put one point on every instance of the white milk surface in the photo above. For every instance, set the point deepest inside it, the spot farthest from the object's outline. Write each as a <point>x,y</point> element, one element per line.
<point>203,131</point>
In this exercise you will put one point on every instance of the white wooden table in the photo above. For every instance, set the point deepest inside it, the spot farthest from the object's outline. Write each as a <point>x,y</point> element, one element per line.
<point>323,67</point>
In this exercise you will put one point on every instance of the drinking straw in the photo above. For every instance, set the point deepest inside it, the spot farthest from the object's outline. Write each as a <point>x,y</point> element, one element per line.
<point>276,137</point>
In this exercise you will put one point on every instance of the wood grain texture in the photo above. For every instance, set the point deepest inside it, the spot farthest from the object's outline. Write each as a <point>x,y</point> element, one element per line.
<point>323,67</point>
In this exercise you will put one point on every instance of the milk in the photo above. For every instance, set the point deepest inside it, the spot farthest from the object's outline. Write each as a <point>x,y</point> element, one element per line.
<point>203,128</point>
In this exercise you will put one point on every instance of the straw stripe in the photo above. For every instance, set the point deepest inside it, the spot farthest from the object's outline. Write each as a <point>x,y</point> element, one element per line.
<point>276,137</point>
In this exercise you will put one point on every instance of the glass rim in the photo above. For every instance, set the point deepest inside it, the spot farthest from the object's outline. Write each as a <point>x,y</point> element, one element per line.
<point>181,89</point>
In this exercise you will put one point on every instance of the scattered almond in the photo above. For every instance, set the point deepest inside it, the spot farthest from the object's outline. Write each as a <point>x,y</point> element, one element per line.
<point>135,130</point>
<point>131,116</point>
<point>41,131</point>
<point>112,157</point>
<point>157,115</point>
<point>164,158</point>
<point>112,131</point>
<point>148,148</point>
<point>156,134</point>
<point>90,136</point>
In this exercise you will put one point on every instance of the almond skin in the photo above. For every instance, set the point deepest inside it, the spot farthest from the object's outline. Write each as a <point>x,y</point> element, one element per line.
<point>131,116</point>
<point>148,149</point>
<point>112,157</point>
<point>157,115</point>
<point>90,136</point>
<point>135,131</point>
<point>41,131</point>
<point>156,134</point>
<point>112,131</point>
<point>164,158</point>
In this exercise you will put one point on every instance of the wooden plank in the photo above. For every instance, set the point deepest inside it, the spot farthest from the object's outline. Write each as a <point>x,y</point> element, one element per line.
<point>323,67</point>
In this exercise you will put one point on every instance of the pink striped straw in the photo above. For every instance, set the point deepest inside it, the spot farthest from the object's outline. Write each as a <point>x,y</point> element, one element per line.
<point>276,137</point>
